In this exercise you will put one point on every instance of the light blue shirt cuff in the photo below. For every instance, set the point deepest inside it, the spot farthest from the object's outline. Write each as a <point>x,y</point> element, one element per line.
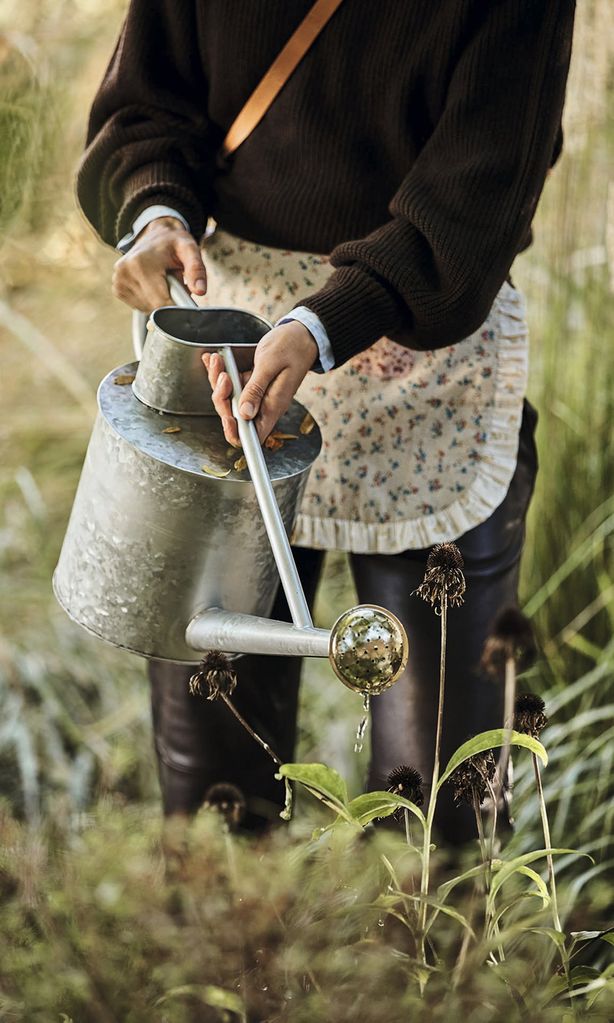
<point>145,218</point>
<point>316,328</point>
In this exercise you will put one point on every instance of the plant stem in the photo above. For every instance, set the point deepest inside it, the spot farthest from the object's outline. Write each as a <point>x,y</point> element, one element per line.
<point>548,844</point>
<point>508,721</point>
<point>482,838</point>
<point>248,728</point>
<point>487,861</point>
<point>551,878</point>
<point>407,828</point>
<point>426,848</point>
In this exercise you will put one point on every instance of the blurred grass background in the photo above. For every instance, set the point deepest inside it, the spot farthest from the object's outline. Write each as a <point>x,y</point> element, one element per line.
<point>74,721</point>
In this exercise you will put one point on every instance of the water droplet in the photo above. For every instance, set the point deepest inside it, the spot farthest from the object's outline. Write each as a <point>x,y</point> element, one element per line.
<point>286,813</point>
<point>364,721</point>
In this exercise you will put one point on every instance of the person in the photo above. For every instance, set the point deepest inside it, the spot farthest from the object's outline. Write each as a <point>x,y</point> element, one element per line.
<point>373,216</point>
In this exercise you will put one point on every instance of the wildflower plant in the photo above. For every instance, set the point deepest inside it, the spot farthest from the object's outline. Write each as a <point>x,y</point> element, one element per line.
<point>472,771</point>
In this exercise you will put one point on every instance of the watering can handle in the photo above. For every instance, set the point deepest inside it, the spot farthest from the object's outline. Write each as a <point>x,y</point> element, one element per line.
<point>276,531</point>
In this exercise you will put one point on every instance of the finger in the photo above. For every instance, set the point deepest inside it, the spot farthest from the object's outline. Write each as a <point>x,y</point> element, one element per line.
<point>231,431</point>
<point>221,397</point>
<point>223,387</point>
<point>194,272</point>
<point>275,403</point>
<point>216,366</point>
<point>255,390</point>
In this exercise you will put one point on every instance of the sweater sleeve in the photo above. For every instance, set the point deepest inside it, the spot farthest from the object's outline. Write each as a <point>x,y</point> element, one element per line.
<point>149,141</point>
<point>428,277</point>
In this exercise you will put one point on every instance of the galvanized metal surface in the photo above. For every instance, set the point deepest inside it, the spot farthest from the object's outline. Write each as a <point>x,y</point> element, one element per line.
<point>244,634</point>
<point>171,376</point>
<point>153,539</point>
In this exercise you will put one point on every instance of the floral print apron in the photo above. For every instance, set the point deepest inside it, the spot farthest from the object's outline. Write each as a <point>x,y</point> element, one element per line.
<point>417,447</point>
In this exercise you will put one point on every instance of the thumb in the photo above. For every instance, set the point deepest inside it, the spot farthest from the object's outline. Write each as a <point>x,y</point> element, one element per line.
<point>194,273</point>
<point>252,394</point>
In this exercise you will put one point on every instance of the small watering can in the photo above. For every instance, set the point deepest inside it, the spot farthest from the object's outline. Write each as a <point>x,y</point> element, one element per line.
<point>173,549</point>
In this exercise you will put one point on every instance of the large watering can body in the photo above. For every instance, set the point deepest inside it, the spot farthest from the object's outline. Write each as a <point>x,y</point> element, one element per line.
<point>171,549</point>
<point>154,537</point>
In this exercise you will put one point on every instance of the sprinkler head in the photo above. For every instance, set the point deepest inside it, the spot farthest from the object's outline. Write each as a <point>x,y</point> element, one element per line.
<point>368,649</point>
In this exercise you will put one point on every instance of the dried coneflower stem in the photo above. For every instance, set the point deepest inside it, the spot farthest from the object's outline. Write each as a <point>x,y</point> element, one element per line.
<point>443,586</point>
<point>216,679</point>
<point>286,813</point>
<point>426,848</point>
<point>248,728</point>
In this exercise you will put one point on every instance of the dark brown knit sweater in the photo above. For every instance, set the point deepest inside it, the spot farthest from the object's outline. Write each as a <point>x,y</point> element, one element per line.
<point>412,143</point>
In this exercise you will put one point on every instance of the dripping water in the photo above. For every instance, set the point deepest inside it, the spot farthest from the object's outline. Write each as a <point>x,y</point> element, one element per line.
<point>286,813</point>
<point>364,721</point>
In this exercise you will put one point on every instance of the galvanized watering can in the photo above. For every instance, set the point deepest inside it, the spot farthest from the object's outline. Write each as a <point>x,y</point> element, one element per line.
<point>171,550</point>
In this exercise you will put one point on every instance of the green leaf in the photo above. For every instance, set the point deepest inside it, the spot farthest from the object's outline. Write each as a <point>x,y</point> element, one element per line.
<point>318,776</point>
<point>323,782</point>
<point>541,885</point>
<point>370,805</point>
<point>490,740</point>
<point>445,889</point>
<point>556,936</point>
<point>514,903</point>
<point>512,867</point>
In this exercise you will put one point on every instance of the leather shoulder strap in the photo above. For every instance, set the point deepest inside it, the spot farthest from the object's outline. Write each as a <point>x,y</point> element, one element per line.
<point>278,74</point>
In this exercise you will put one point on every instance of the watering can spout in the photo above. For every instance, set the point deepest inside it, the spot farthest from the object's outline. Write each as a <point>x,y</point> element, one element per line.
<point>236,633</point>
<point>367,646</point>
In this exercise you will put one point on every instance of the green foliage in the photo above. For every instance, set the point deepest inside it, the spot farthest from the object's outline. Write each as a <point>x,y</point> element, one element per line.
<point>282,927</point>
<point>491,740</point>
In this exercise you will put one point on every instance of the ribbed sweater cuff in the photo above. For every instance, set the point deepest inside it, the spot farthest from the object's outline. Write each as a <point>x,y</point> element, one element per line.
<point>356,310</point>
<point>161,184</point>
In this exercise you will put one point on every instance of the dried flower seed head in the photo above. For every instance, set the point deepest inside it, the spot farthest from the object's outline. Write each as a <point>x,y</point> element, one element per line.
<point>472,778</point>
<point>228,801</point>
<point>530,714</point>
<point>511,637</point>
<point>215,677</point>
<point>407,782</point>
<point>443,577</point>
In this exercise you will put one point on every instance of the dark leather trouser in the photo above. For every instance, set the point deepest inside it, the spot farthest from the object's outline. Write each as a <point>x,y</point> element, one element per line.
<point>199,743</point>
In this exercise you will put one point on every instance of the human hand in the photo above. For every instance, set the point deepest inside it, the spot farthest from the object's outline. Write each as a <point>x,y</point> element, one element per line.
<point>282,359</point>
<point>163,246</point>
